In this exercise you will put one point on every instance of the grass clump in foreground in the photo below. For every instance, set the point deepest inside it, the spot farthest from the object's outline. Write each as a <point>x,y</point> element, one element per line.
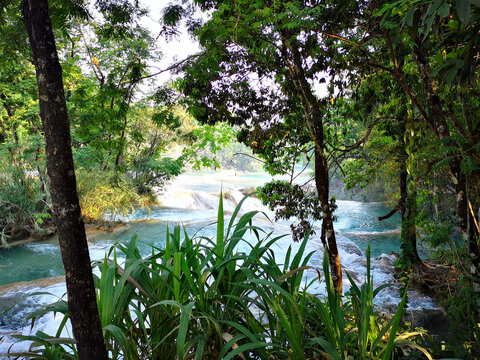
<point>200,298</point>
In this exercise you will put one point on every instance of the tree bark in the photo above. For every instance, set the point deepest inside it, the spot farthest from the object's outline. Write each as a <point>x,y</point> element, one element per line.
<point>408,200</point>
<point>322,185</point>
<point>408,210</point>
<point>66,209</point>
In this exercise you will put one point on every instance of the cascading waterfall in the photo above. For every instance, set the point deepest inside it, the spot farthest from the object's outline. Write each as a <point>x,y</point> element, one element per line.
<point>192,200</point>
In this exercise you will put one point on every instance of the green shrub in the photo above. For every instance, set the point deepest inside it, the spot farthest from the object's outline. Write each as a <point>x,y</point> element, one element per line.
<point>103,195</point>
<point>23,208</point>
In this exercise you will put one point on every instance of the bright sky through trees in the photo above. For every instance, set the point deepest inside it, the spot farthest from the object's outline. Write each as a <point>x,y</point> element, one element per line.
<point>175,49</point>
<point>180,47</point>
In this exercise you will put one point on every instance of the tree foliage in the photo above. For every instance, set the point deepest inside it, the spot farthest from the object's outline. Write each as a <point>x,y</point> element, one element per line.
<point>123,123</point>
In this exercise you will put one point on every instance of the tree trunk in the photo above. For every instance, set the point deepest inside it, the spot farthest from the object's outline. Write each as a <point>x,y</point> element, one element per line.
<point>314,119</point>
<point>66,209</point>
<point>322,185</point>
<point>409,232</point>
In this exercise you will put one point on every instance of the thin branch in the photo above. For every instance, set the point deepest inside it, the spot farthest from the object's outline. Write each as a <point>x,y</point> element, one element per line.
<point>171,67</point>
<point>96,68</point>
<point>250,156</point>
<point>308,181</point>
<point>396,73</point>
<point>474,217</point>
<point>390,214</point>
<point>359,48</point>
<point>398,76</point>
<point>456,122</point>
<point>301,172</point>
<point>339,167</point>
<point>347,148</point>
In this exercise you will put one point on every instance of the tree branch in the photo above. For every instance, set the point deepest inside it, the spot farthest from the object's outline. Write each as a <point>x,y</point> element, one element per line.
<point>359,142</point>
<point>390,214</point>
<point>171,67</point>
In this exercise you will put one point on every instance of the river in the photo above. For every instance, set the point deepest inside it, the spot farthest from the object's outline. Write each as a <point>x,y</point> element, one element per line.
<point>191,200</point>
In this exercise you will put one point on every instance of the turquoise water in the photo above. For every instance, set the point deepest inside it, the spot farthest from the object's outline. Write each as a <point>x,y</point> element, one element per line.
<point>30,262</point>
<point>192,201</point>
<point>356,220</point>
<point>359,222</point>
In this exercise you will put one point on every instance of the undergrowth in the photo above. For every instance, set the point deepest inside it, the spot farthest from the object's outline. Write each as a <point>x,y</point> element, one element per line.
<point>105,196</point>
<point>24,210</point>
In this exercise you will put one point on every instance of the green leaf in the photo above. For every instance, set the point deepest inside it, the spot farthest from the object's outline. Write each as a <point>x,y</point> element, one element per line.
<point>245,347</point>
<point>329,348</point>
<point>118,334</point>
<point>463,11</point>
<point>220,229</point>
<point>468,165</point>
<point>182,331</point>
<point>428,24</point>
<point>236,211</point>
<point>177,263</point>
<point>430,15</point>
<point>409,17</point>
<point>444,10</point>
<point>380,288</point>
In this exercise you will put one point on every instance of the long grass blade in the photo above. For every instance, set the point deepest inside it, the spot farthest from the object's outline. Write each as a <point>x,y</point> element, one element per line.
<point>245,348</point>
<point>329,348</point>
<point>220,230</point>
<point>182,331</point>
<point>177,265</point>
<point>236,211</point>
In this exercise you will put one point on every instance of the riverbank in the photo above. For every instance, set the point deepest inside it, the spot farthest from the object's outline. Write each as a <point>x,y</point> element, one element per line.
<point>24,285</point>
<point>90,230</point>
<point>92,227</point>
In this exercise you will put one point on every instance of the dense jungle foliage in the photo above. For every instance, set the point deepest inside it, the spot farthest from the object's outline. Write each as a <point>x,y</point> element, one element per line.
<point>129,136</point>
<point>372,97</point>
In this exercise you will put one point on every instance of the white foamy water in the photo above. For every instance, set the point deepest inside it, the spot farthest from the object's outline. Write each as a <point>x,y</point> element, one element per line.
<point>201,192</point>
<point>14,322</point>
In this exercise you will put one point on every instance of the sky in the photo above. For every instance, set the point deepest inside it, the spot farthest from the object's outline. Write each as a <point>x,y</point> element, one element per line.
<point>174,50</point>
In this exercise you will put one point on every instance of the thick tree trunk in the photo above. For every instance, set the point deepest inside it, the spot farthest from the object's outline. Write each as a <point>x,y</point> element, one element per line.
<point>66,209</point>
<point>322,185</point>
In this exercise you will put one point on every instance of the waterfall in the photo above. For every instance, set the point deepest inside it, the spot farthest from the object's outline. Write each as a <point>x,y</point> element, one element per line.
<point>192,201</point>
